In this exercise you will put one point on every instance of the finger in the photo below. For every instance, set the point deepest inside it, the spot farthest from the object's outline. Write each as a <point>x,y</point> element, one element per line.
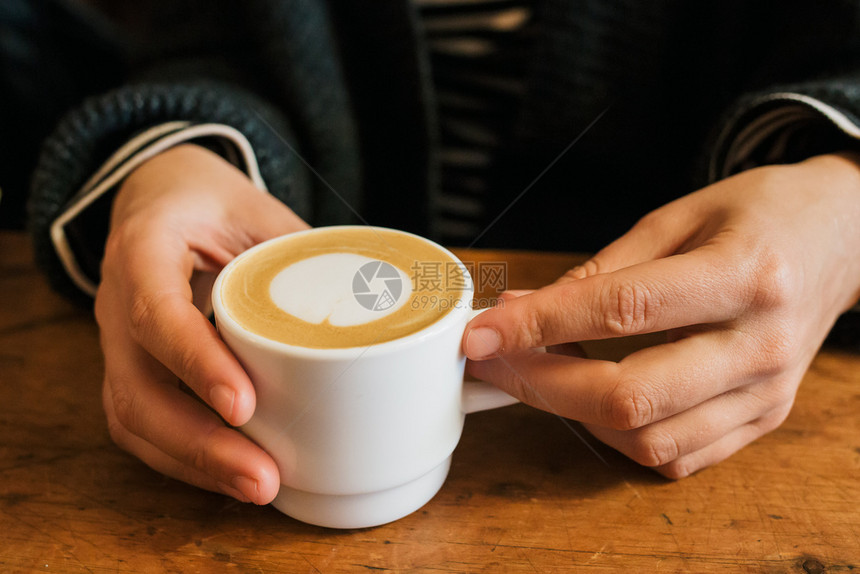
<point>677,291</point>
<point>212,204</point>
<point>514,293</point>
<point>563,385</point>
<point>659,234</point>
<point>262,218</point>
<point>569,349</point>
<point>165,322</point>
<point>510,295</point>
<point>661,443</point>
<point>259,219</point>
<point>158,460</point>
<point>244,484</point>
<point>174,434</point>
<point>646,386</point>
<point>723,448</point>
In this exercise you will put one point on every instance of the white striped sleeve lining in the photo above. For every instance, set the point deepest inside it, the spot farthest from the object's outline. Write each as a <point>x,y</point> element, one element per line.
<point>773,128</point>
<point>236,149</point>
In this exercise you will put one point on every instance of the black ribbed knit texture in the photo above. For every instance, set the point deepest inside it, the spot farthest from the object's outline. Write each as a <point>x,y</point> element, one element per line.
<point>296,46</point>
<point>86,137</point>
<point>389,79</point>
<point>44,65</point>
<point>841,93</point>
<point>664,72</point>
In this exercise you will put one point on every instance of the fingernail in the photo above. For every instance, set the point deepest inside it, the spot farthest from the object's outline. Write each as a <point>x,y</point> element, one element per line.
<point>233,490</point>
<point>222,397</point>
<point>248,487</point>
<point>482,342</point>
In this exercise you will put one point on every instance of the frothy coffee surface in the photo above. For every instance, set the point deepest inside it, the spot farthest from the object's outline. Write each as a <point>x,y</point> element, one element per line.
<point>333,297</point>
<point>341,287</point>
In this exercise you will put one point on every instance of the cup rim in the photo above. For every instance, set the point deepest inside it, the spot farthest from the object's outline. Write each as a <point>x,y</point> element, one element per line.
<point>224,320</point>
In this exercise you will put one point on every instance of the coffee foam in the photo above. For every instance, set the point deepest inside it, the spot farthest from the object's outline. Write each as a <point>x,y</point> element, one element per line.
<point>258,291</point>
<point>322,288</point>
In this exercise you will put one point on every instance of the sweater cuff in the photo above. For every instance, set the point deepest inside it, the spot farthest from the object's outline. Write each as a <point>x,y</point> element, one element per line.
<point>68,230</point>
<point>781,127</point>
<point>98,138</point>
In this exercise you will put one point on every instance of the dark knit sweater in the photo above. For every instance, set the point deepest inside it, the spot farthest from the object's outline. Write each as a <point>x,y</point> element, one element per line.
<point>348,85</point>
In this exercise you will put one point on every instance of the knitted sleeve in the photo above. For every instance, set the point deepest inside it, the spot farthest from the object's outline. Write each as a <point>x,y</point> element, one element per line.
<point>802,86</point>
<point>90,134</point>
<point>786,124</point>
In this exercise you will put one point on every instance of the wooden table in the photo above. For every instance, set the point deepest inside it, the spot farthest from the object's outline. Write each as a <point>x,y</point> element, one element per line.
<point>525,494</point>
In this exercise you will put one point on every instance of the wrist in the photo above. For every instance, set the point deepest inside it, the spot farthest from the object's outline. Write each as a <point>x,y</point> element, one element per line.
<point>842,172</point>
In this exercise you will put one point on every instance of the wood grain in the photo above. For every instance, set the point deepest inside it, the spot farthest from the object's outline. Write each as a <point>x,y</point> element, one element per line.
<point>528,491</point>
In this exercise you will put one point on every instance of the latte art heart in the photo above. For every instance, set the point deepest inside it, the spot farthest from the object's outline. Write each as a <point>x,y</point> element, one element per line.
<point>324,289</point>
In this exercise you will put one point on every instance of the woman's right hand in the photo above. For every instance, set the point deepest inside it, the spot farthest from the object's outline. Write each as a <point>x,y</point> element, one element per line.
<point>176,221</point>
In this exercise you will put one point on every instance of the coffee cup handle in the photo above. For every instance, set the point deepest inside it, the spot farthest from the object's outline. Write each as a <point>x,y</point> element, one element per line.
<point>481,396</point>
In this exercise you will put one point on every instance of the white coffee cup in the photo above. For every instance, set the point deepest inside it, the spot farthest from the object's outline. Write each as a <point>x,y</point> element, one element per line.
<point>362,435</point>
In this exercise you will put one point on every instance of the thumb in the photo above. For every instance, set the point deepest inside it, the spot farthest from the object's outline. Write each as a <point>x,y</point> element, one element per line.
<point>570,309</point>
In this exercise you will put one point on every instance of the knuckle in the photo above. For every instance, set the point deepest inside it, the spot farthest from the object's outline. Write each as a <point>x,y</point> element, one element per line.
<point>776,351</point>
<point>123,403</point>
<point>187,361</point>
<point>626,406</point>
<point>141,315</point>
<point>781,413</point>
<point>652,449</point>
<point>113,268</point>
<point>204,455</point>
<point>629,308</point>
<point>774,419</point>
<point>201,457</point>
<point>123,415</point>
<point>677,469</point>
<point>521,388</point>
<point>145,312</point>
<point>530,330</point>
<point>118,433</point>
<point>652,221</point>
<point>113,245</point>
<point>652,224</point>
<point>121,239</point>
<point>588,268</point>
<point>593,266</point>
<point>782,394</point>
<point>773,281</point>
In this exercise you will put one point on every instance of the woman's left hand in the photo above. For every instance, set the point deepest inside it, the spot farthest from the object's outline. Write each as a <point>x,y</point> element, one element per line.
<point>745,276</point>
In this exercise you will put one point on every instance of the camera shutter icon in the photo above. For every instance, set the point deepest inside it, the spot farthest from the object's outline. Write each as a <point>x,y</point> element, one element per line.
<point>377,286</point>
